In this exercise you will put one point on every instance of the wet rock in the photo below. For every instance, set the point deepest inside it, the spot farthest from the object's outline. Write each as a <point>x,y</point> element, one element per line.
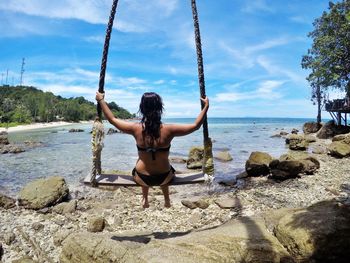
<point>4,138</point>
<point>76,130</point>
<point>286,170</point>
<point>258,164</point>
<point>319,233</point>
<point>284,133</point>
<point>227,203</point>
<point>339,149</point>
<point>294,131</point>
<point>276,136</point>
<point>228,180</point>
<point>273,164</point>
<point>11,148</point>
<point>224,156</point>
<point>297,142</point>
<point>195,158</point>
<point>43,193</point>
<point>96,224</point>
<point>175,159</point>
<point>242,175</point>
<point>311,127</point>
<point>112,131</point>
<point>7,202</point>
<point>65,208</point>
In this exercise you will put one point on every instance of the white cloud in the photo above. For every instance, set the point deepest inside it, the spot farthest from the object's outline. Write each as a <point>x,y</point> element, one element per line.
<point>256,6</point>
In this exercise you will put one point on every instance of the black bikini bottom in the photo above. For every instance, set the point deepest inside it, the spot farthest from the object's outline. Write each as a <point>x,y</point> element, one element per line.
<point>155,179</point>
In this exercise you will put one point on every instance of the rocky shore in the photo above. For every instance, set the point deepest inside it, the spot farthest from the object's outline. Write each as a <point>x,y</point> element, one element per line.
<point>302,218</point>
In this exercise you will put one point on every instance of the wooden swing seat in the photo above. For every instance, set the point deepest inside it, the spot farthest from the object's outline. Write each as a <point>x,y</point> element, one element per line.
<point>110,179</point>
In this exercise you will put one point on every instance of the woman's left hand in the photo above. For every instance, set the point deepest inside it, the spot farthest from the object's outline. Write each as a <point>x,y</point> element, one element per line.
<point>99,96</point>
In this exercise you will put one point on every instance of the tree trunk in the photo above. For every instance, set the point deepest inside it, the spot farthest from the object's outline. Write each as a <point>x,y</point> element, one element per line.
<point>318,94</point>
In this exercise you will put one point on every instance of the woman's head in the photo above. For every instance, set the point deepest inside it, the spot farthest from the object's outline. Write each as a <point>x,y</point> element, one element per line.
<point>151,109</point>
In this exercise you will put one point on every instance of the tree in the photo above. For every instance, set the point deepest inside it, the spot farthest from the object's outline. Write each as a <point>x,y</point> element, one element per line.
<point>328,57</point>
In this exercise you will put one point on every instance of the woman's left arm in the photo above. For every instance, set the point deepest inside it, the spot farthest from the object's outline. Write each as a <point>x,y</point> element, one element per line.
<point>124,126</point>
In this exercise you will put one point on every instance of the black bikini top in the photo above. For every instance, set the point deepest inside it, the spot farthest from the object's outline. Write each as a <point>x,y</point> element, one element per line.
<point>153,150</point>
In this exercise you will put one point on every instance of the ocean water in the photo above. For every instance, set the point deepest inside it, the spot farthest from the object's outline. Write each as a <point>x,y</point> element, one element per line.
<point>69,154</point>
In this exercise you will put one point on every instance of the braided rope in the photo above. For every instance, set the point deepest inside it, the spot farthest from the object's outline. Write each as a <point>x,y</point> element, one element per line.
<point>98,129</point>
<point>208,165</point>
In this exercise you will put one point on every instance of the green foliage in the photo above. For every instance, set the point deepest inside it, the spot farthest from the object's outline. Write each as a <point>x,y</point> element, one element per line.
<point>329,55</point>
<point>27,104</point>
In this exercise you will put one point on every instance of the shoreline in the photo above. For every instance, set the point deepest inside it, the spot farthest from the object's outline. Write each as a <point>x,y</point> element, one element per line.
<point>39,125</point>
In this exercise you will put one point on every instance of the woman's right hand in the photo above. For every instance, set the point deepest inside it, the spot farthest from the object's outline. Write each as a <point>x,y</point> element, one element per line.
<point>205,101</point>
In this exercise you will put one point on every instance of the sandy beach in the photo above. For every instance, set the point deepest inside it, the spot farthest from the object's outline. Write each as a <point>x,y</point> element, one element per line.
<point>34,126</point>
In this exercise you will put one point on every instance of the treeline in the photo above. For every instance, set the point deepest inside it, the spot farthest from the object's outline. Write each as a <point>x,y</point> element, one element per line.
<point>22,104</point>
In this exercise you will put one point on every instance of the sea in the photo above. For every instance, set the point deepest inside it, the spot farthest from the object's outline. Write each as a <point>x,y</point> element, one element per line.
<point>69,154</point>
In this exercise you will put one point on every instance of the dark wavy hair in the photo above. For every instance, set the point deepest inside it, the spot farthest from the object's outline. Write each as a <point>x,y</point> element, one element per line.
<point>151,109</point>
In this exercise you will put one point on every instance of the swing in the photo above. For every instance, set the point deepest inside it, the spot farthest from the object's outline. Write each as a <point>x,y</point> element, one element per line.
<point>119,179</point>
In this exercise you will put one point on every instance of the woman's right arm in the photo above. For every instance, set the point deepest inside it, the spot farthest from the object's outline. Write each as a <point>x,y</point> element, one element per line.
<point>184,129</point>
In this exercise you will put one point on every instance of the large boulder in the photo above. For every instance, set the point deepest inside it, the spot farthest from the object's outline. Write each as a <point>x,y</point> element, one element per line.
<point>345,138</point>
<point>311,127</point>
<point>43,193</point>
<point>7,202</point>
<point>3,138</point>
<point>245,240</point>
<point>339,149</point>
<point>224,156</point>
<point>297,142</point>
<point>258,164</point>
<point>195,158</point>
<point>310,165</point>
<point>330,129</point>
<point>319,233</point>
<point>286,169</point>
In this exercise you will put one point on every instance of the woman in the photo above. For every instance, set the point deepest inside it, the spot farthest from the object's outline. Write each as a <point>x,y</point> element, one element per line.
<point>153,140</point>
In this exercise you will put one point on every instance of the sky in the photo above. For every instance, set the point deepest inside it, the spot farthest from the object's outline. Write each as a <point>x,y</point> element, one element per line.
<point>252,52</point>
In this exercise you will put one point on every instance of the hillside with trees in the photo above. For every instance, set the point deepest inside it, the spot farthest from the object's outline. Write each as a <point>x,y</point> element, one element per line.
<point>22,104</point>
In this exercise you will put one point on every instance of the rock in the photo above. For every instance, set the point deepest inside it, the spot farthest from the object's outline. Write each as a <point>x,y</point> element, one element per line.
<point>201,203</point>
<point>1,251</point>
<point>273,164</point>
<point>297,142</point>
<point>76,130</point>
<point>339,149</point>
<point>294,131</point>
<point>65,208</point>
<point>25,259</point>
<point>276,136</point>
<point>195,158</point>
<point>329,130</point>
<point>227,203</point>
<point>60,236</point>
<point>228,180</point>
<point>345,138</point>
<point>189,204</point>
<point>318,150</point>
<point>284,133</point>
<point>310,165</point>
<point>311,127</point>
<point>309,138</point>
<point>224,156</point>
<point>258,164</point>
<point>194,219</point>
<point>11,148</point>
<point>4,138</point>
<point>96,224</point>
<point>286,170</point>
<point>9,238</point>
<point>7,202</point>
<point>175,159</point>
<point>43,193</point>
<point>242,175</point>
<point>245,240</point>
<point>37,226</point>
<point>112,131</point>
<point>319,233</point>
<point>99,248</point>
<point>286,157</point>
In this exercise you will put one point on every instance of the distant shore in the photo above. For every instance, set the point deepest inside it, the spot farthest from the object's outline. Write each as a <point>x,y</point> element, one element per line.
<point>38,125</point>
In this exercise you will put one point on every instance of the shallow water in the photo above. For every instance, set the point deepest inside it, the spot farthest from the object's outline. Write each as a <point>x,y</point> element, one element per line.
<point>69,154</point>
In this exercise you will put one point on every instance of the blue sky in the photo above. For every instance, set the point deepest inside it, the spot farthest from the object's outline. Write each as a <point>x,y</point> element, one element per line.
<point>252,52</point>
